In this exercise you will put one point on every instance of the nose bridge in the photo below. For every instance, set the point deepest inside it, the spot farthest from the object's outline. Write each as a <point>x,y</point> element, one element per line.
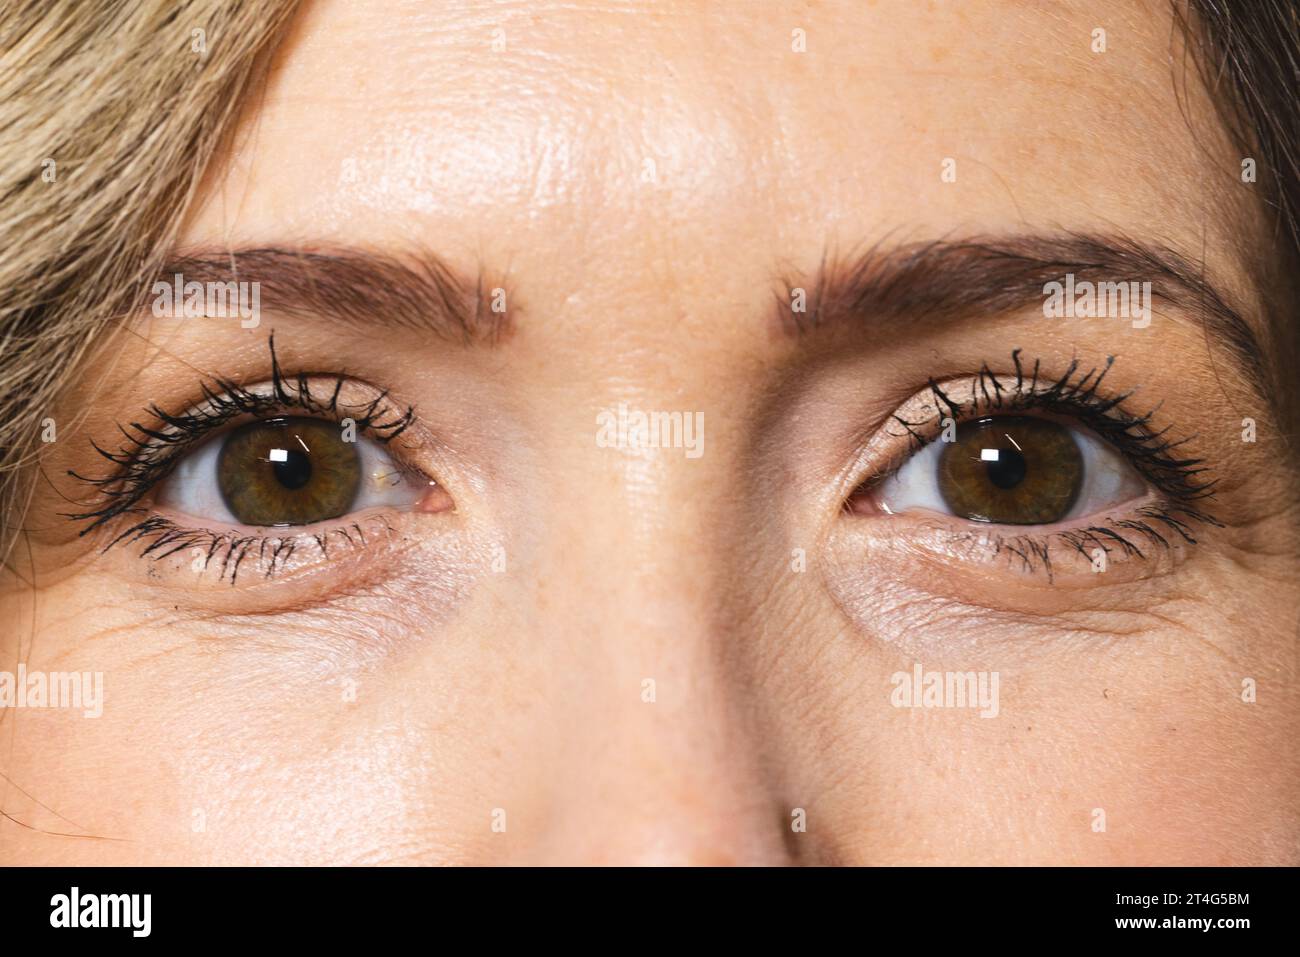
<point>657,764</point>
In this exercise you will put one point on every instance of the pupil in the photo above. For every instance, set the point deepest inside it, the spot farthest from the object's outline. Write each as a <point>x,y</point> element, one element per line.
<point>1009,469</point>
<point>295,471</point>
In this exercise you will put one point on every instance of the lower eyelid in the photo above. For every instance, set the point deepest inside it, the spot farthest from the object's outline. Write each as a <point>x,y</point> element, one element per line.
<point>1141,539</point>
<point>181,551</point>
<point>378,567</point>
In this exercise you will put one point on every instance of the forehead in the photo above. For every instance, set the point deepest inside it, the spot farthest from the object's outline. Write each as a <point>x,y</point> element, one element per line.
<point>630,132</point>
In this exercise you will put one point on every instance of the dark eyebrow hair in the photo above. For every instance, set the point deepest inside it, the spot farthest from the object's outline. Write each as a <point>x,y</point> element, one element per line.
<point>985,276</point>
<point>366,289</point>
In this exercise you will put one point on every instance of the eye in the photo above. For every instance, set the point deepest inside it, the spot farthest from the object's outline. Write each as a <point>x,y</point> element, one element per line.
<point>1012,470</point>
<point>288,471</point>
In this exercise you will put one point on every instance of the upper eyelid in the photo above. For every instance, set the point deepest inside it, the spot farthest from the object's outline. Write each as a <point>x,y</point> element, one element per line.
<point>1081,398</point>
<point>182,431</point>
<point>1042,389</point>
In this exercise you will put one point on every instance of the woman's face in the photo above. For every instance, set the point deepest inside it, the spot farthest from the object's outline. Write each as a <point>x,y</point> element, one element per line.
<point>889,576</point>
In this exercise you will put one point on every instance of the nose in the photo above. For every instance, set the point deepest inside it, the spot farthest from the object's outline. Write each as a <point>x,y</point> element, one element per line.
<point>663,782</point>
<point>656,760</point>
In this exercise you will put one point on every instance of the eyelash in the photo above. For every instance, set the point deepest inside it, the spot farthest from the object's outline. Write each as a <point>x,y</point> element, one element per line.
<point>1182,482</point>
<point>150,454</point>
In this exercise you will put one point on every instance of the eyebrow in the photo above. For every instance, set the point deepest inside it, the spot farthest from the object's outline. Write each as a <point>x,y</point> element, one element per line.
<point>368,290</point>
<point>985,276</point>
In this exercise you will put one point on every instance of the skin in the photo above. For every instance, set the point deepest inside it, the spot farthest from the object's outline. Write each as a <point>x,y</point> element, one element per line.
<point>378,707</point>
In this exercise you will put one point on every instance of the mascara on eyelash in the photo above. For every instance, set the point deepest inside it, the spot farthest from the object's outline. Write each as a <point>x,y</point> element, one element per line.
<point>232,547</point>
<point>1151,452</point>
<point>150,453</point>
<point>1182,480</point>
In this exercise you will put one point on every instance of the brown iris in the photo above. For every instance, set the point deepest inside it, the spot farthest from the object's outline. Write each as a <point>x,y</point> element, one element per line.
<point>1013,470</point>
<point>288,471</point>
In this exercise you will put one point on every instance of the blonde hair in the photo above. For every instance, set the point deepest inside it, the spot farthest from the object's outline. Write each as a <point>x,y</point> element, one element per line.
<point>109,114</point>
